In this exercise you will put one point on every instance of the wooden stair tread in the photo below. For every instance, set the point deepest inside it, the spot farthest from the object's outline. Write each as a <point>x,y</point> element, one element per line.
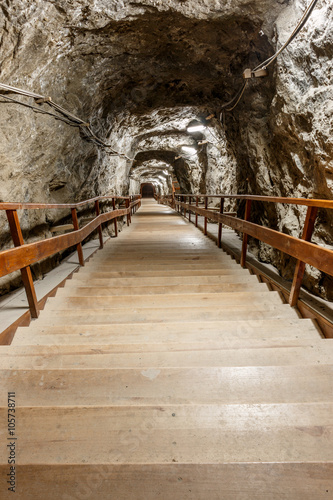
<point>127,315</point>
<point>87,291</point>
<point>128,356</point>
<point>175,481</point>
<point>130,334</point>
<point>77,280</point>
<point>158,385</point>
<point>202,433</point>
<point>127,273</point>
<point>63,300</point>
<point>162,386</point>
<point>168,265</point>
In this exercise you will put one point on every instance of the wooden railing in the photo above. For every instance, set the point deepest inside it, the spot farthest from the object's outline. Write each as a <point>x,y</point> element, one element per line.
<point>24,255</point>
<point>301,248</point>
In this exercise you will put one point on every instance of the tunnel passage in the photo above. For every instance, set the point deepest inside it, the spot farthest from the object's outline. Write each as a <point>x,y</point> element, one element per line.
<point>147,190</point>
<point>139,73</point>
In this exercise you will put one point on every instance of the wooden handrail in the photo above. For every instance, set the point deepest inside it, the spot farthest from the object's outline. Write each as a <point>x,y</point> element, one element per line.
<point>301,248</point>
<point>37,206</point>
<point>272,199</point>
<point>22,256</point>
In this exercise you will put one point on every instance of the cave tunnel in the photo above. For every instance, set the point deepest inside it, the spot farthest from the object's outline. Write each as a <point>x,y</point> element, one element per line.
<point>149,347</point>
<point>147,190</point>
<point>137,75</point>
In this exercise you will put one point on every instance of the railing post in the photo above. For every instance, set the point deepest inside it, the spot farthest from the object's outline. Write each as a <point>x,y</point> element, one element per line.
<point>129,214</point>
<point>219,238</point>
<point>189,212</point>
<point>76,228</point>
<point>115,220</point>
<point>309,224</point>
<point>184,212</point>
<point>15,229</point>
<point>245,236</point>
<point>196,215</point>
<point>100,234</point>
<point>205,222</point>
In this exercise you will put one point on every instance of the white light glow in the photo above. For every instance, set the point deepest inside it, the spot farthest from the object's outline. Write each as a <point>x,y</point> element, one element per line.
<point>196,128</point>
<point>188,149</point>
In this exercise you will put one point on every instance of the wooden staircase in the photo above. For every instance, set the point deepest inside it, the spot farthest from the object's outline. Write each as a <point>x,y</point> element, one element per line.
<point>164,370</point>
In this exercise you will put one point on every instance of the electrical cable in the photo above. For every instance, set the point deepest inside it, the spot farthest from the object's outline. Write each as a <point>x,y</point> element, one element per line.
<point>37,110</point>
<point>298,28</point>
<point>236,99</point>
<point>67,117</point>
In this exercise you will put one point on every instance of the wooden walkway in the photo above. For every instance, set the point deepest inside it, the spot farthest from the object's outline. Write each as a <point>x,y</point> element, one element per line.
<point>165,370</point>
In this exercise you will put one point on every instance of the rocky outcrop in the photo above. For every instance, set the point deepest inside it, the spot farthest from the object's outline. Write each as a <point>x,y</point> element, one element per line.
<point>139,72</point>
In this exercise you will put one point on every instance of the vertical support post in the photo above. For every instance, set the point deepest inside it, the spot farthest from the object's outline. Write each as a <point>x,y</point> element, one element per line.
<point>76,228</point>
<point>184,212</point>
<point>245,236</point>
<point>196,215</point>
<point>219,238</point>
<point>189,212</point>
<point>15,229</point>
<point>309,224</point>
<point>115,220</point>
<point>128,215</point>
<point>205,222</point>
<point>100,234</point>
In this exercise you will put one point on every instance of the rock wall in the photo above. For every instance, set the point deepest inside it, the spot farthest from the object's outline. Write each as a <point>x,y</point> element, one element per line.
<point>285,126</point>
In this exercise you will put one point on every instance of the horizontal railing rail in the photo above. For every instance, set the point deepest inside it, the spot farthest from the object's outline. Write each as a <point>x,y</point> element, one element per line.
<point>302,248</point>
<point>23,255</point>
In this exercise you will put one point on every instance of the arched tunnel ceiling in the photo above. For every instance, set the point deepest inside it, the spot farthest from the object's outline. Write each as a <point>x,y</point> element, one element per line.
<point>138,64</point>
<point>167,59</point>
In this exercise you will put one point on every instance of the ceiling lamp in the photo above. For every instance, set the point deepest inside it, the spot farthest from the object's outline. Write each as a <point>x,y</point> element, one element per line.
<point>188,149</point>
<point>195,128</point>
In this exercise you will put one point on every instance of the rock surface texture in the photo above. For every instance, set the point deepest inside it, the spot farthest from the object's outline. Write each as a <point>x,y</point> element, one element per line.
<point>139,72</point>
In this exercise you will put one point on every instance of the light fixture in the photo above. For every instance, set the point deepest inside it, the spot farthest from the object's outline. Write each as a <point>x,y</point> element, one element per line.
<point>195,128</point>
<point>188,149</point>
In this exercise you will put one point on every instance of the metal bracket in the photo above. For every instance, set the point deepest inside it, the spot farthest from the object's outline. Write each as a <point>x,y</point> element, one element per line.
<point>259,73</point>
<point>42,100</point>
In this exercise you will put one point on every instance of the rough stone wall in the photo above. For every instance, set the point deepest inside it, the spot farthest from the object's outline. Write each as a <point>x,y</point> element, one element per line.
<point>285,126</point>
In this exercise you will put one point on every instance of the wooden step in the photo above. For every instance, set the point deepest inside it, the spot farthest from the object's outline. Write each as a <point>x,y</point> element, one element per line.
<point>92,291</point>
<point>156,385</point>
<point>173,481</point>
<point>192,434</point>
<point>133,253</point>
<point>164,272</point>
<point>68,357</point>
<point>146,282</point>
<point>169,265</point>
<point>224,334</point>
<point>165,314</point>
<point>219,300</point>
